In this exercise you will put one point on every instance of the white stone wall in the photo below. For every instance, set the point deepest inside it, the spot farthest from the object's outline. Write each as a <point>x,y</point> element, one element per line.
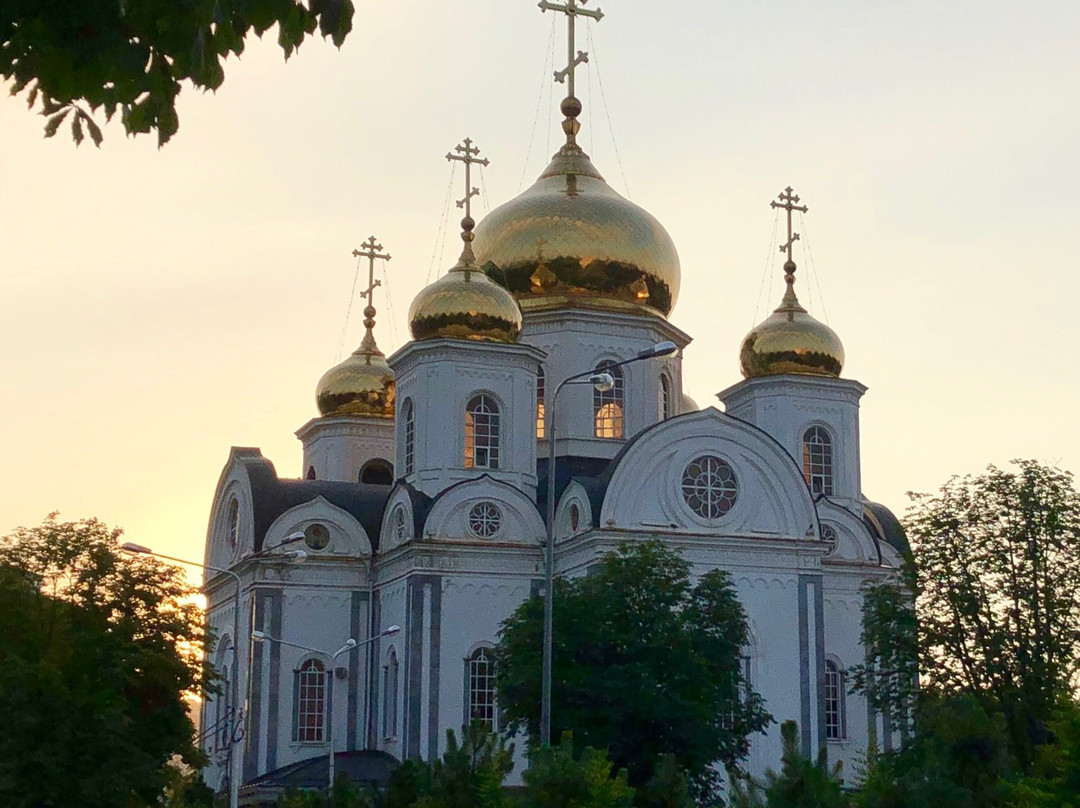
<point>337,447</point>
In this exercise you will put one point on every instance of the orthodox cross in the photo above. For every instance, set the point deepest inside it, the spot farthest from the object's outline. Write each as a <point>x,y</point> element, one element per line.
<point>372,250</point>
<point>788,200</point>
<point>467,154</point>
<point>573,57</point>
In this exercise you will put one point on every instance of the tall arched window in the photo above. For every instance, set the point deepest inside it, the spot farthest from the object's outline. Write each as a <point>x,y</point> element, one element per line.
<point>835,725</point>
<point>482,433</point>
<point>311,473</point>
<point>223,723</point>
<point>480,675</point>
<point>309,699</point>
<point>817,460</point>
<point>390,695</point>
<point>410,435</point>
<point>540,403</point>
<point>665,397</point>
<point>608,404</point>
<point>234,522</point>
<point>377,472</point>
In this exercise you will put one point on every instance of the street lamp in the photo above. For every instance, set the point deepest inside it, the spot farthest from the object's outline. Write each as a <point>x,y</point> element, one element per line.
<point>602,381</point>
<point>350,644</point>
<point>295,555</point>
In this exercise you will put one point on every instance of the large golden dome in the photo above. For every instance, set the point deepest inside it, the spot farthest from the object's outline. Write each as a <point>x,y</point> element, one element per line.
<point>570,240</point>
<point>791,341</point>
<point>361,385</point>
<point>465,304</point>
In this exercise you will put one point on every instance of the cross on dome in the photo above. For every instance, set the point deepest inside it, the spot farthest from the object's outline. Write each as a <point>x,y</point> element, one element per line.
<point>571,106</point>
<point>467,154</point>
<point>788,200</point>
<point>371,250</point>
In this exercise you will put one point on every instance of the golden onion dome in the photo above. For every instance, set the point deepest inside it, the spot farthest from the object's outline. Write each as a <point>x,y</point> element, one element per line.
<point>791,341</point>
<point>571,240</point>
<point>465,304</point>
<point>361,385</point>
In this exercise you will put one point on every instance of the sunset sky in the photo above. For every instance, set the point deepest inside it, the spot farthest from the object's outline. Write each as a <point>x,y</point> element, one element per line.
<point>160,306</point>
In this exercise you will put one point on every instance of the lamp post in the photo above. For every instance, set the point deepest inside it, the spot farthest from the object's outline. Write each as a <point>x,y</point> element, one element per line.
<point>350,644</point>
<point>602,381</point>
<point>295,555</point>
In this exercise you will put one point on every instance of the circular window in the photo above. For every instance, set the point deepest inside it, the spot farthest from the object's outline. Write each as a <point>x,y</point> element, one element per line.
<point>575,517</point>
<point>485,519</point>
<point>829,539</point>
<point>316,536</point>
<point>234,522</point>
<point>709,487</point>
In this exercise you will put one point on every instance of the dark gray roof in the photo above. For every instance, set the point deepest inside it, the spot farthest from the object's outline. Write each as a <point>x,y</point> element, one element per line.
<point>885,526</point>
<point>364,767</point>
<point>272,496</point>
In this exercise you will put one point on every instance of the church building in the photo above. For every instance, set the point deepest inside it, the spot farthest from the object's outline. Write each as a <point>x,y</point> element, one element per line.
<point>422,511</point>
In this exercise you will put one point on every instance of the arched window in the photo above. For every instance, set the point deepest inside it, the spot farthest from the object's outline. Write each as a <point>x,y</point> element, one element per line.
<point>377,472</point>
<point>480,675</point>
<point>482,433</point>
<point>817,461</point>
<point>608,404</point>
<point>410,435</point>
<point>665,397</point>
<point>835,724</point>
<point>311,473</point>
<point>397,524</point>
<point>390,695</point>
<point>309,699</point>
<point>234,522</point>
<point>540,403</point>
<point>223,723</point>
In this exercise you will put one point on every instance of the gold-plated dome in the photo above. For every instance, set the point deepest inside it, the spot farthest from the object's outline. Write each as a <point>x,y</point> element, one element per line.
<point>361,385</point>
<point>570,240</point>
<point>465,304</point>
<point>791,341</point>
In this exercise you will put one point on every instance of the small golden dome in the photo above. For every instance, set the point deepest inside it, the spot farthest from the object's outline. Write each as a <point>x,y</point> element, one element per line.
<point>361,385</point>
<point>465,304</point>
<point>791,341</point>
<point>570,240</point>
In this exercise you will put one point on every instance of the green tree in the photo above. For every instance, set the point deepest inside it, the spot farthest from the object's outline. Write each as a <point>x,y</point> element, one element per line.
<point>97,651</point>
<point>645,664</point>
<point>344,794</point>
<point>800,783</point>
<point>998,568</point>
<point>959,758</point>
<point>559,778</point>
<point>890,637</point>
<point>470,774</point>
<point>77,57</point>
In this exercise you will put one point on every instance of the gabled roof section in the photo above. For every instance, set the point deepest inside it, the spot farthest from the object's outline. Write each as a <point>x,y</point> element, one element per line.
<point>272,496</point>
<point>366,767</point>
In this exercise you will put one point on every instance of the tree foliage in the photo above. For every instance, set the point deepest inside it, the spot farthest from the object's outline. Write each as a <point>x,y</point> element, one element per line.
<point>470,774</point>
<point>800,783</point>
<point>97,651</point>
<point>645,664</point>
<point>76,57</point>
<point>998,565</point>
<point>559,778</point>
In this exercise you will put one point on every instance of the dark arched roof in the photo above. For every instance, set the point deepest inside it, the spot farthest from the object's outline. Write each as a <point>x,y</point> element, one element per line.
<point>885,526</point>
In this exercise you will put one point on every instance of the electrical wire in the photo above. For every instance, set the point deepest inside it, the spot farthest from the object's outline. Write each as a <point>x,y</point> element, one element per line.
<point>348,312</point>
<point>813,269</point>
<point>767,271</point>
<point>440,233</point>
<point>540,99</point>
<point>611,130</point>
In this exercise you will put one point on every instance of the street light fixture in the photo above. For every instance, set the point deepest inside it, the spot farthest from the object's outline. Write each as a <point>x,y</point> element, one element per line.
<point>602,381</point>
<point>350,644</point>
<point>295,555</point>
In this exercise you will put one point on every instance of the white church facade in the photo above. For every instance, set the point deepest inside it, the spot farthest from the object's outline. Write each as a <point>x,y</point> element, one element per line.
<point>422,510</point>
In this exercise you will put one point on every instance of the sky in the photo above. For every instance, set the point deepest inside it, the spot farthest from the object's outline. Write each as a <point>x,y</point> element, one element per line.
<point>160,306</point>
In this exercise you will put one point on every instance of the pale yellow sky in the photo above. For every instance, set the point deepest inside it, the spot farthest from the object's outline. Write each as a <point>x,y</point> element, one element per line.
<point>157,307</point>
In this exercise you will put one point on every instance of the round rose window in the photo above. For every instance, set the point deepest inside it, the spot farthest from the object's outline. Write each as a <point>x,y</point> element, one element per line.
<point>709,487</point>
<point>485,519</point>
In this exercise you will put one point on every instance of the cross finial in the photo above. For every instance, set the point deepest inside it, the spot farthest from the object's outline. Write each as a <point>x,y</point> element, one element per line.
<point>371,250</point>
<point>789,201</point>
<point>467,154</point>
<point>571,107</point>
